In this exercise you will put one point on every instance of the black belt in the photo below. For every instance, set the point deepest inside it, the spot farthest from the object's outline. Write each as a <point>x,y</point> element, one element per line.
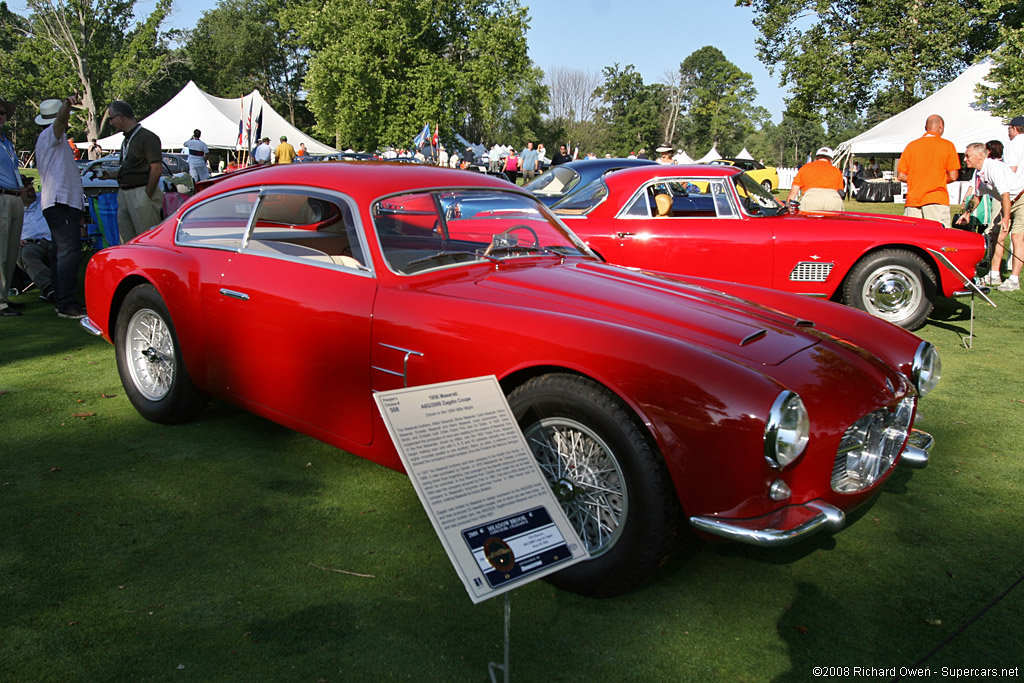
<point>131,187</point>
<point>38,240</point>
<point>15,193</point>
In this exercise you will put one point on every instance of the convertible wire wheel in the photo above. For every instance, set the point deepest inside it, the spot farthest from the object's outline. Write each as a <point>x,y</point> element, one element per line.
<point>585,477</point>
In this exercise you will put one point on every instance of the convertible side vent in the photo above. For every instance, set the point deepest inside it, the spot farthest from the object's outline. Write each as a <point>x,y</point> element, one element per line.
<point>811,271</point>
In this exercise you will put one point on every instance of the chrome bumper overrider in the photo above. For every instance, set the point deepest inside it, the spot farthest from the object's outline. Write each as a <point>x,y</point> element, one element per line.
<point>90,327</point>
<point>915,453</point>
<point>782,527</point>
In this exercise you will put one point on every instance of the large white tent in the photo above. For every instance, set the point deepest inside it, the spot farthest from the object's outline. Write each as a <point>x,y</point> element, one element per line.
<point>966,121</point>
<point>710,156</point>
<point>218,119</point>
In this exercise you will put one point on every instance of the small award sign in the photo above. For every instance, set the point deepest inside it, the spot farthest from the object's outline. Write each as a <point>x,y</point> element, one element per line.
<point>479,483</point>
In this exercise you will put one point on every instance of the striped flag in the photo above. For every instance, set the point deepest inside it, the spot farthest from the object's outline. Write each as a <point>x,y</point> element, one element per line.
<point>422,138</point>
<point>241,117</point>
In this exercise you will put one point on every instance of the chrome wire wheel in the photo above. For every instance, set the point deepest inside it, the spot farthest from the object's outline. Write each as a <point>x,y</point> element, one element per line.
<point>149,349</point>
<point>585,477</point>
<point>892,292</point>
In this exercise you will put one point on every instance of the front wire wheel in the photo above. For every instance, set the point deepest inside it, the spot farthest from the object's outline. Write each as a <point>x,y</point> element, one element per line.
<point>149,349</point>
<point>606,475</point>
<point>587,480</point>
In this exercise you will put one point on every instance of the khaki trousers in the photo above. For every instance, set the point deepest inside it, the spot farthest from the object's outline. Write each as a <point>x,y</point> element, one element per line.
<point>137,212</point>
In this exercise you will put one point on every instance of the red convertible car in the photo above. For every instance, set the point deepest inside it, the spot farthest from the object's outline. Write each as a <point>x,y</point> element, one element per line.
<point>717,222</point>
<point>297,291</point>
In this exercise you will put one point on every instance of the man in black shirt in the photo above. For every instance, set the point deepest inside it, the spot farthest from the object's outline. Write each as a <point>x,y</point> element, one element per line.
<point>139,197</point>
<point>562,157</point>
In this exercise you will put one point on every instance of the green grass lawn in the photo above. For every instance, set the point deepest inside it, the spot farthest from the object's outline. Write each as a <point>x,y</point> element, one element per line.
<point>231,549</point>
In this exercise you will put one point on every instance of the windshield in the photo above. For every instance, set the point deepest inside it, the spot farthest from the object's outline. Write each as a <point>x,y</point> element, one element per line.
<point>555,181</point>
<point>424,231</point>
<point>582,201</point>
<point>755,200</point>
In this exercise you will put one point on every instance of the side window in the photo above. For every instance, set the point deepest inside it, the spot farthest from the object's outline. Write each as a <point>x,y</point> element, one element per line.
<point>218,223</point>
<point>307,227</point>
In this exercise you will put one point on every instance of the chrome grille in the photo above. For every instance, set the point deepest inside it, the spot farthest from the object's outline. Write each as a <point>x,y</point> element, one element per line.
<point>811,271</point>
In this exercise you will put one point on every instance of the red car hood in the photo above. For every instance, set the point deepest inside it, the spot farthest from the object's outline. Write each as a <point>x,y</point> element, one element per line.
<point>699,316</point>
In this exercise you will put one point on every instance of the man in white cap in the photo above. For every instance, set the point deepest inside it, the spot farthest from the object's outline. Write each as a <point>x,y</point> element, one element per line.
<point>820,183</point>
<point>61,200</point>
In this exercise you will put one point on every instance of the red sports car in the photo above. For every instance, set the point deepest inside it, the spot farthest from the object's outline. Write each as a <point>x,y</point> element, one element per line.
<point>717,222</point>
<point>297,291</point>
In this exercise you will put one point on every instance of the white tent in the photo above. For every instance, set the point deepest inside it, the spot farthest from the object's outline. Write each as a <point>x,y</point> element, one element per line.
<point>744,155</point>
<point>218,119</point>
<point>682,157</point>
<point>966,122</point>
<point>710,156</point>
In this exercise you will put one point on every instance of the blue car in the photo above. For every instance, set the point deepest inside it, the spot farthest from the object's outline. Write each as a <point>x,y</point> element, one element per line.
<point>561,181</point>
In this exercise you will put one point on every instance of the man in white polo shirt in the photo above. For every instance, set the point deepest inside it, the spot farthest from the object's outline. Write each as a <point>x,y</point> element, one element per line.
<point>1013,156</point>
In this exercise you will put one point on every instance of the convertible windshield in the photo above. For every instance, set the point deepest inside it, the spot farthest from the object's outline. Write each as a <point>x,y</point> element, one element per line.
<point>756,200</point>
<point>555,181</point>
<point>434,229</point>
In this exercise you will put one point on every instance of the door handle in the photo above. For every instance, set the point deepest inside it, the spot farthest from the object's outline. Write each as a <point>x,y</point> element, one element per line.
<point>625,234</point>
<point>233,294</point>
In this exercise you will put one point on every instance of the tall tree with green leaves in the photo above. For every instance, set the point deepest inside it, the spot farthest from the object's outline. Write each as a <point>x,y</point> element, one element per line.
<point>380,70</point>
<point>716,102</point>
<point>94,47</point>
<point>1006,96</point>
<point>851,58</point>
<point>631,109</point>
<point>240,45</point>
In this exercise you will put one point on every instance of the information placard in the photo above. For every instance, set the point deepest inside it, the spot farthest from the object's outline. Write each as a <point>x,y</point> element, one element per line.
<point>479,483</point>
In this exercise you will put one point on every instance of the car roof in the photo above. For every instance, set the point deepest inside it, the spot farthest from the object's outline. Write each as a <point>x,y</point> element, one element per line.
<point>641,174</point>
<point>618,162</point>
<point>363,182</point>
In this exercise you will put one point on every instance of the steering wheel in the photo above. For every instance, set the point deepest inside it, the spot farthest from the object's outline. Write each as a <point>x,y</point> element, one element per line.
<point>536,239</point>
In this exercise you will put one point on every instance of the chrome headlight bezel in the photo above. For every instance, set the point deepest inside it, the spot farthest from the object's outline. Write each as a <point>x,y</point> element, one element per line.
<point>927,368</point>
<point>786,431</point>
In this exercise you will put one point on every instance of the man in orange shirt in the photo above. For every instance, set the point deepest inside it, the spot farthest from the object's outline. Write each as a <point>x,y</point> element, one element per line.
<point>820,182</point>
<point>928,164</point>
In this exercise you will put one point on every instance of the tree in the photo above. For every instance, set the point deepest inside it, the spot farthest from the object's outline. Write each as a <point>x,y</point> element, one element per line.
<point>380,70</point>
<point>92,46</point>
<point>240,45</point>
<point>1006,97</point>
<point>631,110</point>
<point>851,58</point>
<point>717,102</point>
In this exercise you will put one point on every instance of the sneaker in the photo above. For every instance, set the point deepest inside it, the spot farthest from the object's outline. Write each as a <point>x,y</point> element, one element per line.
<point>1009,286</point>
<point>73,311</point>
<point>9,311</point>
<point>990,280</point>
<point>49,296</point>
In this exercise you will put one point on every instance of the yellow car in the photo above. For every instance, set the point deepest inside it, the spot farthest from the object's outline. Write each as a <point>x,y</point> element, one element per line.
<point>767,176</point>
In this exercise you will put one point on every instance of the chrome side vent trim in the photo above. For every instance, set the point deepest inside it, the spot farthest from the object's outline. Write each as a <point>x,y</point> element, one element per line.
<point>811,271</point>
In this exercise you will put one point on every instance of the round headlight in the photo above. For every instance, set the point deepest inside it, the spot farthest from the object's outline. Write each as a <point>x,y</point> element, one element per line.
<point>787,430</point>
<point>927,369</point>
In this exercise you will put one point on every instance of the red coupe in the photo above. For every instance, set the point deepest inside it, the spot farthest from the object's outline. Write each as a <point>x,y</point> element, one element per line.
<point>297,291</point>
<point>716,222</point>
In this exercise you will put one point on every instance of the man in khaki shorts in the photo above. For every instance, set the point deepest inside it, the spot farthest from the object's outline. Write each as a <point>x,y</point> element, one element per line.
<point>928,164</point>
<point>139,197</point>
<point>1013,156</point>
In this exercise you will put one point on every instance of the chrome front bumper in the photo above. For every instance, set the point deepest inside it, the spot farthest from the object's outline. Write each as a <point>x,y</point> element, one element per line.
<point>794,523</point>
<point>787,525</point>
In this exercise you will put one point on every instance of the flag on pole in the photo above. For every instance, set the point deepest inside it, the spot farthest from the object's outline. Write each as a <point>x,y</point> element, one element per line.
<point>241,117</point>
<point>259,124</point>
<point>422,138</point>
<point>248,126</point>
<point>434,143</point>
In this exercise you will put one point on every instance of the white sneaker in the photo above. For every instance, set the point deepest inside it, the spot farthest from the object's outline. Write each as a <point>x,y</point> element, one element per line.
<point>991,280</point>
<point>1009,286</point>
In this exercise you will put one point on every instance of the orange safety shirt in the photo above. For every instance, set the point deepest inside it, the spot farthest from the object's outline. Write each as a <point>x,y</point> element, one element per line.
<point>819,173</point>
<point>926,161</point>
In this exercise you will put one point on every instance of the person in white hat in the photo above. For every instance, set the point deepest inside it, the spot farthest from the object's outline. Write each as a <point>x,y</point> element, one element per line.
<point>665,157</point>
<point>820,183</point>
<point>61,200</point>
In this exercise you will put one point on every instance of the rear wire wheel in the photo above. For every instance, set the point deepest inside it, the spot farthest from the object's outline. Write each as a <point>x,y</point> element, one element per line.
<point>611,484</point>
